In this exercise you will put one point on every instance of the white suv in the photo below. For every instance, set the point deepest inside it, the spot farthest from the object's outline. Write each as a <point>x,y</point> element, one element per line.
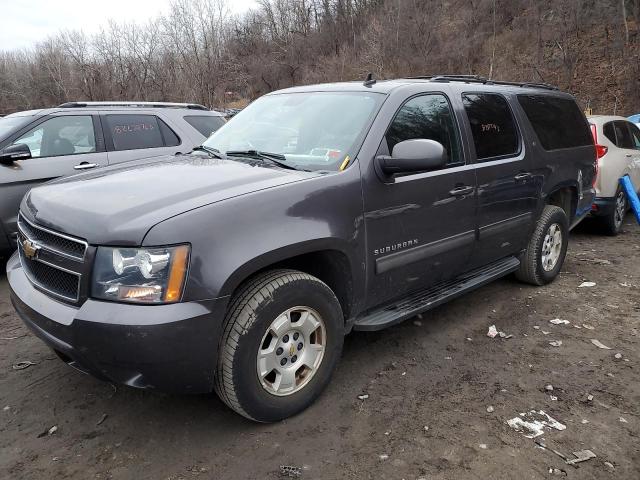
<point>618,147</point>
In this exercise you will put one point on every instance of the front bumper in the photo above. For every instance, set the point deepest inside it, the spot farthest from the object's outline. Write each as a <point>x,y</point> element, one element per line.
<point>603,206</point>
<point>172,348</point>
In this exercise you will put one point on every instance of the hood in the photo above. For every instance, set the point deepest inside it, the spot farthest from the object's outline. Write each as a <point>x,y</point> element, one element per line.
<point>118,205</point>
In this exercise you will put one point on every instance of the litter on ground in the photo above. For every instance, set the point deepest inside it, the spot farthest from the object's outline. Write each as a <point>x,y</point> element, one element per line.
<point>290,471</point>
<point>556,343</point>
<point>587,284</point>
<point>533,423</point>
<point>581,456</point>
<point>23,365</point>
<point>557,321</point>
<point>599,344</point>
<point>492,331</point>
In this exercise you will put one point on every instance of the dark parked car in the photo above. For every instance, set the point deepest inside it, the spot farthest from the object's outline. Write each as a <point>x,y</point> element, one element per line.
<point>316,211</point>
<point>39,145</point>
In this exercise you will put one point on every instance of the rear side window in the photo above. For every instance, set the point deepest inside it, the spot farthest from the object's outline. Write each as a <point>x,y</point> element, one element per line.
<point>609,132</point>
<point>623,135</point>
<point>492,125</point>
<point>133,132</point>
<point>558,122</point>
<point>635,134</point>
<point>205,124</point>
<point>428,117</point>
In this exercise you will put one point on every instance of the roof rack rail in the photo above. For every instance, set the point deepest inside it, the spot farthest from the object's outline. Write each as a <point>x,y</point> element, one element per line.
<point>482,80</point>
<point>190,106</point>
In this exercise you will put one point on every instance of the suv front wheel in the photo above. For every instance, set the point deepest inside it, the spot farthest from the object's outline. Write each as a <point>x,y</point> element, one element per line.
<point>542,260</point>
<point>283,336</point>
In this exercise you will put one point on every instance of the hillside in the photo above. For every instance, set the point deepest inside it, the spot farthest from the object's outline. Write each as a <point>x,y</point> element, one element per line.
<point>198,52</point>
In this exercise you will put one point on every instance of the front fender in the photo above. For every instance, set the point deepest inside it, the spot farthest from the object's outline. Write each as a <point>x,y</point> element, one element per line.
<point>232,239</point>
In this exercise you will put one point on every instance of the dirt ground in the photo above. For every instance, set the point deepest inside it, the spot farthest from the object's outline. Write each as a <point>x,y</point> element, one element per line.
<point>429,383</point>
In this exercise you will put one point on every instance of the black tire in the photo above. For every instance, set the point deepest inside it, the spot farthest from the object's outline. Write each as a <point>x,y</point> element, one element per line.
<point>531,269</point>
<point>612,224</point>
<point>252,310</point>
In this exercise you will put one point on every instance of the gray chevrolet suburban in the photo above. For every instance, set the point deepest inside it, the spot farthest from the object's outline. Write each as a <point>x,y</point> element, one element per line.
<point>315,211</point>
<point>40,145</point>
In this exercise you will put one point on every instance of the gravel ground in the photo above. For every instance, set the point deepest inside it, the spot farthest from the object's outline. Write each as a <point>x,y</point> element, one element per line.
<point>430,383</point>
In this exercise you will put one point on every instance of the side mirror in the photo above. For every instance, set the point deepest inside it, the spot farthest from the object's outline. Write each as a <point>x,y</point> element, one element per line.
<point>19,151</point>
<point>416,155</point>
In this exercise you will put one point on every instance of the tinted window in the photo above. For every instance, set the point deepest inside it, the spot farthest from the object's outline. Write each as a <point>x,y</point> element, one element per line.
<point>492,125</point>
<point>169,136</point>
<point>635,134</point>
<point>558,122</point>
<point>131,132</point>
<point>65,135</point>
<point>623,135</point>
<point>206,125</point>
<point>609,132</point>
<point>429,117</point>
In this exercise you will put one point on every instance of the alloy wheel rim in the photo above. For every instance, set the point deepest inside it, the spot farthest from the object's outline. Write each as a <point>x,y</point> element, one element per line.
<point>291,351</point>
<point>620,210</point>
<point>551,247</point>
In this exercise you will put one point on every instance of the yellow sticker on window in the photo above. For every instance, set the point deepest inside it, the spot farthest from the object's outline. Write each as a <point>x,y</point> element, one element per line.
<point>345,163</point>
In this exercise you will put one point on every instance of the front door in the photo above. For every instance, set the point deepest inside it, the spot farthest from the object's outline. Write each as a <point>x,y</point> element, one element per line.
<point>60,146</point>
<point>420,227</point>
<point>507,194</point>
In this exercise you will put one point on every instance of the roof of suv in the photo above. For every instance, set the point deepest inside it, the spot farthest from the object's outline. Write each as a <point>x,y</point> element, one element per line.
<point>462,81</point>
<point>602,119</point>
<point>192,108</point>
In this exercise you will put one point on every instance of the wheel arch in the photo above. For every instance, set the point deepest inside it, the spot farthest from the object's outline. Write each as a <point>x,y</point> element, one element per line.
<point>564,196</point>
<point>326,261</point>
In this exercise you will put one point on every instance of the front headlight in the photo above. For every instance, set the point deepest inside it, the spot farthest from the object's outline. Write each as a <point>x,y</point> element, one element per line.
<point>140,275</point>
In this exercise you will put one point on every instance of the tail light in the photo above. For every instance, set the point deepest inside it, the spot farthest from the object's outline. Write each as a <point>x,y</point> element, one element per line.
<point>601,151</point>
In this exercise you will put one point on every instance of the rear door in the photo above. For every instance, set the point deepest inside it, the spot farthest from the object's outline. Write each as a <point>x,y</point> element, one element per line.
<point>60,145</point>
<point>421,226</point>
<point>507,195</point>
<point>131,136</point>
<point>633,154</point>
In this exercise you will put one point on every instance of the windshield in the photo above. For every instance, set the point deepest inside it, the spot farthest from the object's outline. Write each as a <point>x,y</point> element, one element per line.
<point>9,125</point>
<point>312,131</point>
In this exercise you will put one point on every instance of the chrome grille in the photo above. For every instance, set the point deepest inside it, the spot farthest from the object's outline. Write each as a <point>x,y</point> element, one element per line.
<point>53,262</point>
<point>56,242</point>
<point>58,282</point>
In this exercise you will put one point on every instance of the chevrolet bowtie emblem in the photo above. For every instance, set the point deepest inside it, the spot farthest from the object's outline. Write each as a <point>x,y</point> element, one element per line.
<point>30,249</point>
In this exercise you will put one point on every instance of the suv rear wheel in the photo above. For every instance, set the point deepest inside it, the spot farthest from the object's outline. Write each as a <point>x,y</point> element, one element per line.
<point>544,256</point>
<point>283,336</point>
<point>612,223</point>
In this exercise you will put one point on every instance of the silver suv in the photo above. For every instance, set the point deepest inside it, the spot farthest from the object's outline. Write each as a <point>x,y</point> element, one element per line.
<point>39,145</point>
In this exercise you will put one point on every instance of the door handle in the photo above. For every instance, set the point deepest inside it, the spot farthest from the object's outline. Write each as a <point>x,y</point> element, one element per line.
<point>460,191</point>
<point>522,176</point>
<point>85,166</point>
<point>628,155</point>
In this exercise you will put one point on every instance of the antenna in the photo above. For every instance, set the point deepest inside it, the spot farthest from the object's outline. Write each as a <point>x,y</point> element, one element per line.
<point>369,80</point>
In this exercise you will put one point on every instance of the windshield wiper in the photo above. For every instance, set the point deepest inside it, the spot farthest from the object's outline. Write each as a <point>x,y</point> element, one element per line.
<point>211,151</point>
<point>276,158</point>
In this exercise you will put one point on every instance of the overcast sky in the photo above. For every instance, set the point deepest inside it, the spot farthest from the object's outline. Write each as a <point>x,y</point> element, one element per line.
<point>26,22</point>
